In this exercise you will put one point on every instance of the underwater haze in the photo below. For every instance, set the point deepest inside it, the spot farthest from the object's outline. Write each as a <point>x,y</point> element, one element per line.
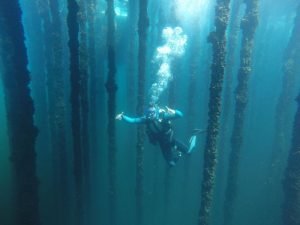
<point>149,112</point>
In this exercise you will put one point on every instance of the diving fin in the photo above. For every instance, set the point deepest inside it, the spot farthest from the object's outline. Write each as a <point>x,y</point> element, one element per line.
<point>192,142</point>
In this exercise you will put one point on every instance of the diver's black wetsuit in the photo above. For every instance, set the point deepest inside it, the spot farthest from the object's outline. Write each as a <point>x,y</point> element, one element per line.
<point>160,132</point>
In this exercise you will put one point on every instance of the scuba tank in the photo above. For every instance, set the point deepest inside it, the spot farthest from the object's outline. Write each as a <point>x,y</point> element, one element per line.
<point>157,129</point>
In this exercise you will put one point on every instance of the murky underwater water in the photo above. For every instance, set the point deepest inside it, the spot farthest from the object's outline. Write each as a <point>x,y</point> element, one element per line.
<point>178,64</point>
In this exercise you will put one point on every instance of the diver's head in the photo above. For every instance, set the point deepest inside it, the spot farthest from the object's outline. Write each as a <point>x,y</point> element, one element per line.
<point>152,112</point>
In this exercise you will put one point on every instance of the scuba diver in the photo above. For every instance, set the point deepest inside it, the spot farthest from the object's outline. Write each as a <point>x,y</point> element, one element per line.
<point>160,132</point>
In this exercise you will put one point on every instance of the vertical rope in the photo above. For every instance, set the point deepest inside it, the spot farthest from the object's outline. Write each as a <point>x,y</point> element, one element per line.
<point>218,40</point>
<point>248,25</point>
<point>111,88</point>
<point>57,109</point>
<point>289,82</point>
<point>44,14</point>
<point>143,23</point>
<point>73,28</point>
<point>93,87</point>
<point>84,101</point>
<point>132,59</point>
<point>291,182</point>
<point>20,110</point>
<point>234,28</point>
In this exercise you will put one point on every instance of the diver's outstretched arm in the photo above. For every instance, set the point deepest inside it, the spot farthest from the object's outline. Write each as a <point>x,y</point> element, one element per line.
<point>128,119</point>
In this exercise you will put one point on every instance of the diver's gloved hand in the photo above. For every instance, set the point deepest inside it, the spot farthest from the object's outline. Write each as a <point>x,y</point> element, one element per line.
<point>120,116</point>
<point>170,111</point>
